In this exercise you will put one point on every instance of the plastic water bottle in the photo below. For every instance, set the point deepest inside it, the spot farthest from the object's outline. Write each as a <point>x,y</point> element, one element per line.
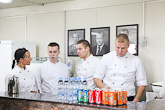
<point>84,83</point>
<point>66,85</point>
<point>80,83</point>
<point>74,95</point>
<point>60,89</point>
<point>70,90</point>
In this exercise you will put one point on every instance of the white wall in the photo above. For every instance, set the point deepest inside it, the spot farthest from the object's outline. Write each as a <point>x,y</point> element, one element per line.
<point>43,24</point>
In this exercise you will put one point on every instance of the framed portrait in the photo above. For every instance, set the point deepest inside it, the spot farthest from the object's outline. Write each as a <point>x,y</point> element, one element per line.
<point>100,40</point>
<point>74,36</point>
<point>132,33</point>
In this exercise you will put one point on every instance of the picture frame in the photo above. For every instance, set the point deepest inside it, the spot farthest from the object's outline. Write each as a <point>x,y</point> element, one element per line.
<point>132,33</point>
<point>74,35</point>
<point>100,40</point>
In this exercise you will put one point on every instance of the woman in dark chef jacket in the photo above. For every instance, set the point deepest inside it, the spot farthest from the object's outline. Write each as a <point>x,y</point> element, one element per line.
<point>26,77</point>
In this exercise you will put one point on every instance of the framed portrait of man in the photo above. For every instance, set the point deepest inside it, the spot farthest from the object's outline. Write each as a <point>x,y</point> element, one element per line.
<point>74,36</point>
<point>100,40</point>
<point>132,32</point>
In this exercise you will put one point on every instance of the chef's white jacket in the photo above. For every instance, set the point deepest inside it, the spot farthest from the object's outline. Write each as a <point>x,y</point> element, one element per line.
<point>48,75</point>
<point>121,72</point>
<point>86,69</point>
<point>26,79</point>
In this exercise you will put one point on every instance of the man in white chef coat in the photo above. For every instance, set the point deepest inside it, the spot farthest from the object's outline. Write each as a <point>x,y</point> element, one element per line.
<point>86,67</point>
<point>120,69</point>
<point>49,72</point>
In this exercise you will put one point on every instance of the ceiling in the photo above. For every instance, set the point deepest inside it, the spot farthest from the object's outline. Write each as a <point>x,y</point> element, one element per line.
<point>21,3</point>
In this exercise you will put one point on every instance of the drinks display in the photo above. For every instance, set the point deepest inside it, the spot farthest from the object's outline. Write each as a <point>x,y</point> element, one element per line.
<point>78,91</point>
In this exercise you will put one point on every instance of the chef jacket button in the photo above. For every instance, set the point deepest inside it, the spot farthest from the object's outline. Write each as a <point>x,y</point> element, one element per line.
<point>113,83</point>
<point>122,84</point>
<point>115,65</point>
<point>123,76</point>
<point>78,69</point>
<point>126,57</point>
<point>24,79</point>
<point>87,62</point>
<point>20,71</point>
<point>28,71</point>
<point>85,69</point>
<point>114,74</point>
<point>125,66</point>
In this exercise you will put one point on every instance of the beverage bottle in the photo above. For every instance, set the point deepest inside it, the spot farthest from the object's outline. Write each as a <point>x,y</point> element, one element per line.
<point>79,91</point>
<point>60,89</point>
<point>66,85</point>
<point>70,90</point>
<point>74,89</point>
<point>84,83</point>
<point>85,90</point>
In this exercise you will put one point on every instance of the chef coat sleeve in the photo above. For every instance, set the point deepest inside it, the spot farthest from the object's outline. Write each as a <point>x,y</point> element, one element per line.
<point>141,79</point>
<point>38,79</point>
<point>101,68</point>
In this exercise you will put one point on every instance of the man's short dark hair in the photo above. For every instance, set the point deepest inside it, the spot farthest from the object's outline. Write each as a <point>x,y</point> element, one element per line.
<point>84,42</point>
<point>53,44</point>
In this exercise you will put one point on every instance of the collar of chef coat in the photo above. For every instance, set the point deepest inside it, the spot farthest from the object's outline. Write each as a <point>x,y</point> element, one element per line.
<point>19,68</point>
<point>123,57</point>
<point>52,62</point>
<point>88,59</point>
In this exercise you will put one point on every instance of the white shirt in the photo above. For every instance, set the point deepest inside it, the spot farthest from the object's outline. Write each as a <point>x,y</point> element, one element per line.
<point>48,75</point>
<point>121,72</point>
<point>26,79</point>
<point>86,69</point>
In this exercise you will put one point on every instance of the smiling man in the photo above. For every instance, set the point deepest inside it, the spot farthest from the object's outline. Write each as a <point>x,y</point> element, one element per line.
<point>120,69</point>
<point>86,67</point>
<point>49,72</point>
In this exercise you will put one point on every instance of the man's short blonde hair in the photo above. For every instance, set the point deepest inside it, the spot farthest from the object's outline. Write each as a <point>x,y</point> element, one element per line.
<point>122,38</point>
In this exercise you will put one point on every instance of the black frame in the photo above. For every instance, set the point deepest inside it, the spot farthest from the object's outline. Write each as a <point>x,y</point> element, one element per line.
<point>81,33</point>
<point>132,31</point>
<point>106,39</point>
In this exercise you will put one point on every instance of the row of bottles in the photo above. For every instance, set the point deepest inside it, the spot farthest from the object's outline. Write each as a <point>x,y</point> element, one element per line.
<point>67,90</point>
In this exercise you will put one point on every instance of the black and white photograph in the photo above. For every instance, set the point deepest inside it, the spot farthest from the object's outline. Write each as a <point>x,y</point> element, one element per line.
<point>132,32</point>
<point>100,40</point>
<point>74,36</point>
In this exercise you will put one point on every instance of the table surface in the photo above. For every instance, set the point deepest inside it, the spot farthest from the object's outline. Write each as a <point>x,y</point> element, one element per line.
<point>152,105</point>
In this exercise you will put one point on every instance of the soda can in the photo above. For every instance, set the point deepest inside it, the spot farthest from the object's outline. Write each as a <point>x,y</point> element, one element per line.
<point>98,96</point>
<point>85,95</point>
<point>92,98</point>
<point>124,97</point>
<point>112,98</point>
<point>119,97</point>
<point>104,96</point>
<point>80,95</point>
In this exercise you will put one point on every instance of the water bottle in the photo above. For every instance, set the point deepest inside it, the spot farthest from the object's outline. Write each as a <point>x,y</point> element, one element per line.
<point>70,90</point>
<point>84,83</point>
<point>60,89</point>
<point>66,85</point>
<point>74,89</point>
<point>79,91</point>
<point>85,90</point>
<point>80,83</point>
